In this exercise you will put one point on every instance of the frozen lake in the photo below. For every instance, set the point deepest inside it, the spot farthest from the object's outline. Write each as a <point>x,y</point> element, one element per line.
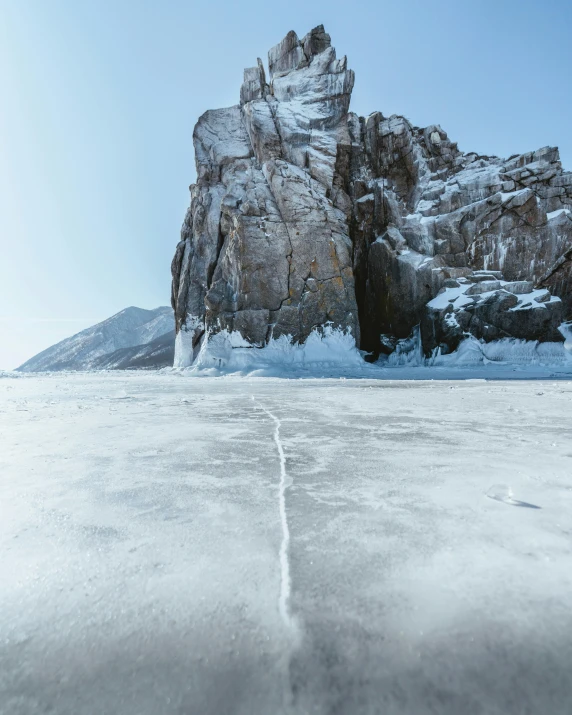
<point>217,546</point>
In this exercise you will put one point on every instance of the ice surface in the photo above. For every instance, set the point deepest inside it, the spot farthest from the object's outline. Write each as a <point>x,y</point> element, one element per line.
<point>141,536</point>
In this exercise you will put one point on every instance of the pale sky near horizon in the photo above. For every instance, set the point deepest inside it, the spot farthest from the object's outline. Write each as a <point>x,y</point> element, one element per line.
<point>99,99</point>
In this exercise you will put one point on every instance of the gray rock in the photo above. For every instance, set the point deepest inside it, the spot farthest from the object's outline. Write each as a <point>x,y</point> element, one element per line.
<point>519,287</point>
<point>543,297</point>
<point>305,214</point>
<point>505,310</point>
<point>483,287</point>
<point>558,279</point>
<point>265,248</point>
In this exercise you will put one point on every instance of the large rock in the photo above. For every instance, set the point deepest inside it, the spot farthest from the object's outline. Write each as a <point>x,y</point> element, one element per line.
<point>265,250</point>
<point>489,308</point>
<point>305,214</point>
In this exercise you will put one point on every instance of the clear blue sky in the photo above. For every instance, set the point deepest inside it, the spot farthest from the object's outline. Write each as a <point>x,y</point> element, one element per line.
<point>99,99</point>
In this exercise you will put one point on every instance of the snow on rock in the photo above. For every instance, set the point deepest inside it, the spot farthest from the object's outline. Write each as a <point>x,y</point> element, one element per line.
<point>484,306</point>
<point>127,339</point>
<point>264,243</point>
<point>305,214</point>
<point>555,214</point>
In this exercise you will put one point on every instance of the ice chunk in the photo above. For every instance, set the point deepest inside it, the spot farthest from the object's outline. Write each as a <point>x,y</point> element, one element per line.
<point>504,494</point>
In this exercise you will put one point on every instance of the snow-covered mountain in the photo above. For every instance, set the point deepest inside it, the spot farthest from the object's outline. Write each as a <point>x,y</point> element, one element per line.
<point>157,353</point>
<point>112,344</point>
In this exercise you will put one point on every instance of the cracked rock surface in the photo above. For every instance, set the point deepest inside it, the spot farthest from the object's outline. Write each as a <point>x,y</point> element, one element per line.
<point>304,213</point>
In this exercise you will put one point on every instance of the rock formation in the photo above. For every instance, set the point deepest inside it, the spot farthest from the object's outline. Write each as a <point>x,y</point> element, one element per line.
<point>304,213</point>
<point>489,308</point>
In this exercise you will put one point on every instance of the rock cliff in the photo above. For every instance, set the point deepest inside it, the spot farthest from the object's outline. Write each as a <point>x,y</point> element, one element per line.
<point>304,214</point>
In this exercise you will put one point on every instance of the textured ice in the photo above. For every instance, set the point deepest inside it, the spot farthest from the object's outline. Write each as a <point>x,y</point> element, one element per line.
<point>508,352</point>
<point>229,352</point>
<point>332,352</point>
<point>144,563</point>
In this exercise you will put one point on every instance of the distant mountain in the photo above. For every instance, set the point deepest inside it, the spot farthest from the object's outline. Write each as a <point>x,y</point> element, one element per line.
<point>132,338</point>
<point>157,353</point>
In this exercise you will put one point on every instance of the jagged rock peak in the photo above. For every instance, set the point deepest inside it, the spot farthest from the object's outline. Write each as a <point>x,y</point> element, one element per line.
<point>292,53</point>
<point>305,214</point>
<point>287,56</point>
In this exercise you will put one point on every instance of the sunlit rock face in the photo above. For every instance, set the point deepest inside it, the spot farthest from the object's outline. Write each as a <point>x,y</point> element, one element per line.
<point>304,214</point>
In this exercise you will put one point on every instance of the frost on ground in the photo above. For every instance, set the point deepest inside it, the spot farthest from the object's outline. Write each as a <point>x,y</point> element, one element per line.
<point>145,561</point>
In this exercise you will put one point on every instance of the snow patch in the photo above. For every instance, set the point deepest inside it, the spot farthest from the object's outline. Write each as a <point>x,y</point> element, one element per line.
<point>558,212</point>
<point>505,196</point>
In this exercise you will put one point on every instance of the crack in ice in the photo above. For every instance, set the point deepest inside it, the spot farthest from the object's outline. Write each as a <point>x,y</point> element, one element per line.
<point>285,581</point>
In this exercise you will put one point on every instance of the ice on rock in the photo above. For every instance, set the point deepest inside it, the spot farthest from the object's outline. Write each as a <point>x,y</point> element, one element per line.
<point>490,310</point>
<point>229,352</point>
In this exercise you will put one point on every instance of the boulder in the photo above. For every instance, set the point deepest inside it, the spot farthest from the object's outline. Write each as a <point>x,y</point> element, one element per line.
<point>505,310</point>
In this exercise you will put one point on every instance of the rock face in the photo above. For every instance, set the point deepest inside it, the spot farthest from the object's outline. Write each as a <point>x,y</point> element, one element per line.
<point>131,338</point>
<point>305,214</point>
